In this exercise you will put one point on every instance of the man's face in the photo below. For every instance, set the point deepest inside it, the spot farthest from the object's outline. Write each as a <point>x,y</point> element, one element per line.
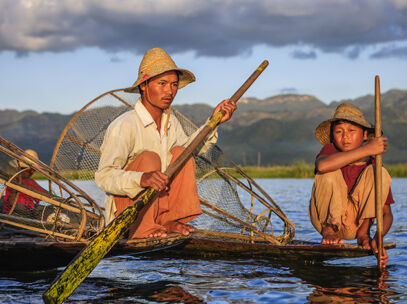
<point>348,136</point>
<point>161,90</point>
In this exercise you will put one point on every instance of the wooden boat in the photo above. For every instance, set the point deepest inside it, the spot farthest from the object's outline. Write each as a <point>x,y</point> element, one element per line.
<point>20,252</point>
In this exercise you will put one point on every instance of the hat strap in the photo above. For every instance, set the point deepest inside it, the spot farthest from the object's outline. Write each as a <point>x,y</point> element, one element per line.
<point>147,95</point>
<point>167,111</point>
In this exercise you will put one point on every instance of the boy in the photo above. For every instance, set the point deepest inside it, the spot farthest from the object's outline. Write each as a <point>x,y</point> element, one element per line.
<point>19,203</point>
<point>342,204</point>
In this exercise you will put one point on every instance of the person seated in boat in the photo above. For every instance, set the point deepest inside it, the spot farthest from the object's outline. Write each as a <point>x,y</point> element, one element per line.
<point>140,144</point>
<point>19,203</point>
<point>342,204</point>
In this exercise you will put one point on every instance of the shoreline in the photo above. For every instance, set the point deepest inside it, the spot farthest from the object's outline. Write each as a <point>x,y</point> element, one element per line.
<point>298,170</point>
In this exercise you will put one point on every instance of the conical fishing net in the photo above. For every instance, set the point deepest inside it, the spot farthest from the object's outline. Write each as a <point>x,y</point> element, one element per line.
<point>35,199</point>
<point>231,201</point>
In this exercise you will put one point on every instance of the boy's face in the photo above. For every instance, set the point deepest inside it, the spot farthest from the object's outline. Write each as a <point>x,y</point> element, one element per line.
<point>348,136</point>
<point>161,90</point>
<point>28,173</point>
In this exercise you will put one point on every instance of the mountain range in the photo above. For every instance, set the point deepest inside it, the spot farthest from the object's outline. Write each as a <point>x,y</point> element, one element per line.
<point>278,130</point>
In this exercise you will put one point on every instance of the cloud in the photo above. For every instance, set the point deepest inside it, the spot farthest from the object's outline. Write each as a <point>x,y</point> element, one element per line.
<point>298,54</point>
<point>116,59</point>
<point>391,51</point>
<point>353,52</point>
<point>289,91</point>
<point>218,28</point>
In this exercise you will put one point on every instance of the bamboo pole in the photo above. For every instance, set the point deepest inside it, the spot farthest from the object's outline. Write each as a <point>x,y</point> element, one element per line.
<point>378,174</point>
<point>32,221</point>
<point>44,231</point>
<point>51,175</point>
<point>42,197</point>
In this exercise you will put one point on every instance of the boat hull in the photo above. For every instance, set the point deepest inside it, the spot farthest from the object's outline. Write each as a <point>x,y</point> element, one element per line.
<point>38,253</point>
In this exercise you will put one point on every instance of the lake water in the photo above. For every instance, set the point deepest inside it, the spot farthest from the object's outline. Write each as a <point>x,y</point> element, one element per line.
<point>140,279</point>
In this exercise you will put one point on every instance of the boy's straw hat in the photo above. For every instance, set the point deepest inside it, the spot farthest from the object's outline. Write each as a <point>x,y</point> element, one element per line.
<point>26,159</point>
<point>155,62</point>
<point>345,111</point>
<point>23,164</point>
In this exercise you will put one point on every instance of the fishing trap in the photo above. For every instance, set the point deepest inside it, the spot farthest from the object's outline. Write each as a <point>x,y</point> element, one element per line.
<point>221,182</point>
<point>35,199</point>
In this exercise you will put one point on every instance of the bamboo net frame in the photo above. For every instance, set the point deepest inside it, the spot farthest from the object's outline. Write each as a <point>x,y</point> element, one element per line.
<point>77,154</point>
<point>63,212</point>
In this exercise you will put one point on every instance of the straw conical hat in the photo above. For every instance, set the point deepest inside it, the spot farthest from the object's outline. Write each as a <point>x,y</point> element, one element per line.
<point>31,153</point>
<point>155,62</point>
<point>345,111</point>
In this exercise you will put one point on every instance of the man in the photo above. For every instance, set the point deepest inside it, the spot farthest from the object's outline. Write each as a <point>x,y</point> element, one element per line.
<point>140,144</point>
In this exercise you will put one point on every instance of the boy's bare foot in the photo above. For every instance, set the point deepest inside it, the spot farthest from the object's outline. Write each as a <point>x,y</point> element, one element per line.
<point>364,241</point>
<point>369,243</point>
<point>330,236</point>
<point>179,227</point>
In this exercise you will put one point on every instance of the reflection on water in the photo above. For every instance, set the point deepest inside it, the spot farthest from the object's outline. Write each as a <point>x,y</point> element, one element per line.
<point>140,279</point>
<point>347,285</point>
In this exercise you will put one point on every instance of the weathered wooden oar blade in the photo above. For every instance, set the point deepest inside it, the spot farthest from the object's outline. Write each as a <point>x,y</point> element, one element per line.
<point>86,260</point>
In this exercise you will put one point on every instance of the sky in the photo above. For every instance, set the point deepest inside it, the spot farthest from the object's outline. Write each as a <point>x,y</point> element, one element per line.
<point>57,55</point>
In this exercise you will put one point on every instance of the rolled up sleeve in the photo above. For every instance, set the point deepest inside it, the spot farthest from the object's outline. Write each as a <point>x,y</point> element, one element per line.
<point>116,148</point>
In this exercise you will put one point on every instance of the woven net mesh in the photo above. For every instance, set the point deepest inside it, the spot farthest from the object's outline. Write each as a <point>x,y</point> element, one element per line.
<point>35,199</point>
<point>221,183</point>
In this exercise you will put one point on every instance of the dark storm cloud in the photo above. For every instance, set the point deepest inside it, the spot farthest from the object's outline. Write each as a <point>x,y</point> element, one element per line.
<point>218,28</point>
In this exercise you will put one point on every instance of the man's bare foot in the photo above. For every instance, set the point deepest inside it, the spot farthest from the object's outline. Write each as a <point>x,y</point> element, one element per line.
<point>175,226</point>
<point>161,232</point>
<point>330,236</point>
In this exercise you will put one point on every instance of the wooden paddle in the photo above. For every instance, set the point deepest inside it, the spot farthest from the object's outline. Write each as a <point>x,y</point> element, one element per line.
<point>86,260</point>
<point>378,174</point>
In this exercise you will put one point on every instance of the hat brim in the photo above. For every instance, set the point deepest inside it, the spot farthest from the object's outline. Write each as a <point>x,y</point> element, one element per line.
<point>185,77</point>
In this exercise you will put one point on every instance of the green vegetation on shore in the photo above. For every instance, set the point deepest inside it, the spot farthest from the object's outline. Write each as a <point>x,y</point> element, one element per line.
<point>305,170</point>
<point>297,170</point>
<point>399,170</point>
